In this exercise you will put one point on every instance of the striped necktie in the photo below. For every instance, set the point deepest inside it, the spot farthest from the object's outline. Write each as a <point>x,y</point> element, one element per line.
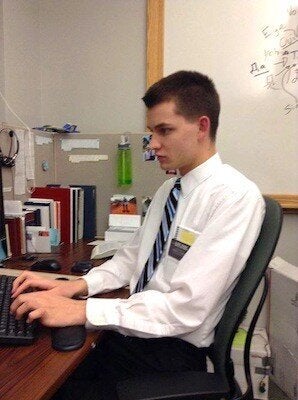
<point>161,238</point>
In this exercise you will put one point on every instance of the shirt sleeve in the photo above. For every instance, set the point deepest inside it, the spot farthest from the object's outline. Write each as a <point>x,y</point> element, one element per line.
<point>201,283</point>
<point>114,273</point>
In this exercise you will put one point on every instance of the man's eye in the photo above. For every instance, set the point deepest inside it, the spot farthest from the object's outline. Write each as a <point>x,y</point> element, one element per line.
<point>164,131</point>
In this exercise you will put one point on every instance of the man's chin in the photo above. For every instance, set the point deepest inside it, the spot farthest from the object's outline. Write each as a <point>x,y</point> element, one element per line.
<point>164,165</point>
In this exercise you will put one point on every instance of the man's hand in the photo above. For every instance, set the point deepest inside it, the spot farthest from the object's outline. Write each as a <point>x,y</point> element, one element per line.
<point>62,288</point>
<point>51,309</point>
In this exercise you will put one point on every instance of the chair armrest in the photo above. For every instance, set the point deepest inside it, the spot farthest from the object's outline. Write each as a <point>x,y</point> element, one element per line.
<point>188,385</point>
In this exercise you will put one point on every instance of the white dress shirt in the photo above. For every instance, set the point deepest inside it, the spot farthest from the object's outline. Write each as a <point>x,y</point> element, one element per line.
<point>220,212</point>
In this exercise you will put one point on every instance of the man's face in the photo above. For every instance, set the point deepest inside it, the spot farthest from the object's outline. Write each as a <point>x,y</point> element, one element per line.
<point>174,138</point>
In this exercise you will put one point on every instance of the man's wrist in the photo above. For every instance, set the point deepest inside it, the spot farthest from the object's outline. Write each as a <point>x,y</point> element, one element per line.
<point>81,288</point>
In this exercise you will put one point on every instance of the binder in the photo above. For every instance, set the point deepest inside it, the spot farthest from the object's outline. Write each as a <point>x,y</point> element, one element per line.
<point>64,196</point>
<point>89,226</point>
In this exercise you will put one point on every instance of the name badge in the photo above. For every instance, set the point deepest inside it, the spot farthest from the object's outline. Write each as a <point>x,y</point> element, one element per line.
<point>178,249</point>
<point>184,238</point>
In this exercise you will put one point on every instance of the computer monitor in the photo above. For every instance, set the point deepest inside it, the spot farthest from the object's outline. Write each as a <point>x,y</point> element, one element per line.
<point>3,247</point>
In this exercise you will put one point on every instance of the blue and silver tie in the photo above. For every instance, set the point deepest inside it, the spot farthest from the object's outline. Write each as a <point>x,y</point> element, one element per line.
<point>161,238</point>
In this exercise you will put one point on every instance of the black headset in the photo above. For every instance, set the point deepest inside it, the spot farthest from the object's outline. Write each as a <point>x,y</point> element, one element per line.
<point>9,160</point>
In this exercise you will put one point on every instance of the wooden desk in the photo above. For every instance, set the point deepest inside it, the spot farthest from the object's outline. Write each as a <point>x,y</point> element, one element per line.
<point>35,372</point>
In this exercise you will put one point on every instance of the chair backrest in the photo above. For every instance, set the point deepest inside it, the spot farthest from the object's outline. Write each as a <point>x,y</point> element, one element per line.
<point>245,288</point>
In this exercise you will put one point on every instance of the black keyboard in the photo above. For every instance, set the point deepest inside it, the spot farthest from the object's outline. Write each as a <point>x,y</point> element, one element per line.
<point>12,331</point>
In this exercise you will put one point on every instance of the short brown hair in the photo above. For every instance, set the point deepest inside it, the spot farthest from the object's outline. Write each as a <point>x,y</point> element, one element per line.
<point>193,93</point>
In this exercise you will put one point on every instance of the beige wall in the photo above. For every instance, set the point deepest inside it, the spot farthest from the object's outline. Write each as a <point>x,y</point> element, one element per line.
<point>2,87</point>
<point>75,61</point>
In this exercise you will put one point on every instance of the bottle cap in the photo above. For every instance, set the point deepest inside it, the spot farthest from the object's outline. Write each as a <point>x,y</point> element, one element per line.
<point>124,142</point>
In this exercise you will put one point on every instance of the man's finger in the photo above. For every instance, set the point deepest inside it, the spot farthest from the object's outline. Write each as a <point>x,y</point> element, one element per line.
<point>35,314</point>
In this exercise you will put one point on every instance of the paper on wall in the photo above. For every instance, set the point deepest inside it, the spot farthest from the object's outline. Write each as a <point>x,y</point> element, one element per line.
<point>20,172</point>
<point>29,155</point>
<point>69,144</point>
<point>40,140</point>
<point>76,158</point>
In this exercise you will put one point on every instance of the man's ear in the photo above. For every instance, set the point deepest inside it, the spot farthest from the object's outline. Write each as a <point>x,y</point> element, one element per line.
<point>204,127</point>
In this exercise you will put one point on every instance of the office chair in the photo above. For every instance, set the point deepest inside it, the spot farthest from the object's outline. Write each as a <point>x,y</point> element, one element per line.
<point>193,385</point>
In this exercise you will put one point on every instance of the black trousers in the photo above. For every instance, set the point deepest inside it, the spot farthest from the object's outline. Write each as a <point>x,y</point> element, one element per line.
<point>119,357</point>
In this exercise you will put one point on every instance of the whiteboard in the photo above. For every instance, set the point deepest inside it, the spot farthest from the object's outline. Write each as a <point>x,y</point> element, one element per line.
<point>250,49</point>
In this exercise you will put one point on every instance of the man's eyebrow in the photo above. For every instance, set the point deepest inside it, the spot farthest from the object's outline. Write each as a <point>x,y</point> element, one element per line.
<point>158,126</point>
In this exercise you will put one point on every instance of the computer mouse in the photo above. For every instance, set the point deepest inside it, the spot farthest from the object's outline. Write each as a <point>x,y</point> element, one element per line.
<point>29,257</point>
<point>47,265</point>
<point>82,267</point>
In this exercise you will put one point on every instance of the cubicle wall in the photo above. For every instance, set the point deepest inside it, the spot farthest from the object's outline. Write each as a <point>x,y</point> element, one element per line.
<point>147,175</point>
<point>55,152</point>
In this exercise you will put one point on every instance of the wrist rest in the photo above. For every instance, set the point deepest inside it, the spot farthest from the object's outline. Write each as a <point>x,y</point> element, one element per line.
<point>68,338</point>
<point>50,275</point>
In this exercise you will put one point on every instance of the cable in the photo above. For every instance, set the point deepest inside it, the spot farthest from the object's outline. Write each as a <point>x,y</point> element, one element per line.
<point>29,190</point>
<point>8,161</point>
<point>11,110</point>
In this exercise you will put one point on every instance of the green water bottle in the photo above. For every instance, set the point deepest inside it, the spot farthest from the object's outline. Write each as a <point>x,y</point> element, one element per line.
<point>124,170</point>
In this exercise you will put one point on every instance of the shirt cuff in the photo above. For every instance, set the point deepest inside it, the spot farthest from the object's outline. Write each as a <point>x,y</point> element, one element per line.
<point>94,284</point>
<point>101,313</point>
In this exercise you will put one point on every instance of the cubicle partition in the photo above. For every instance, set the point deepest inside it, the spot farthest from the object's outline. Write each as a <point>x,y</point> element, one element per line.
<point>90,159</point>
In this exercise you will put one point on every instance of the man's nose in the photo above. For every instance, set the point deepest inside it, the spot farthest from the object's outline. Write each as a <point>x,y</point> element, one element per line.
<point>154,143</point>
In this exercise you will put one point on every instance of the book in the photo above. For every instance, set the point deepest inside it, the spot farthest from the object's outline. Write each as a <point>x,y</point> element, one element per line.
<point>38,239</point>
<point>133,221</point>
<point>49,203</point>
<point>8,248</point>
<point>37,215</point>
<point>32,217</point>
<point>123,204</point>
<point>14,229</point>
<point>119,233</point>
<point>78,213</point>
<point>123,218</point>
<point>44,207</point>
<point>64,196</point>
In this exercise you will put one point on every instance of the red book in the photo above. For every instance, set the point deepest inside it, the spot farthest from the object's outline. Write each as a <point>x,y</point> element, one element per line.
<point>14,229</point>
<point>62,194</point>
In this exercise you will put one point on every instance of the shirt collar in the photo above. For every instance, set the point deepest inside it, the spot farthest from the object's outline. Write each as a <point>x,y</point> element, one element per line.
<point>199,174</point>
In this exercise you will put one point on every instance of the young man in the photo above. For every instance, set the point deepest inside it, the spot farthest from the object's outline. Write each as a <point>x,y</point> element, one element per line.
<point>179,294</point>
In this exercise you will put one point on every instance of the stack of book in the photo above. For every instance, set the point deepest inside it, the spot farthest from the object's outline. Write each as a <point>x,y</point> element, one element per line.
<point>77,206</point>
<point>17,220</point>
<point>123,218</point>
<point>52,215</point>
